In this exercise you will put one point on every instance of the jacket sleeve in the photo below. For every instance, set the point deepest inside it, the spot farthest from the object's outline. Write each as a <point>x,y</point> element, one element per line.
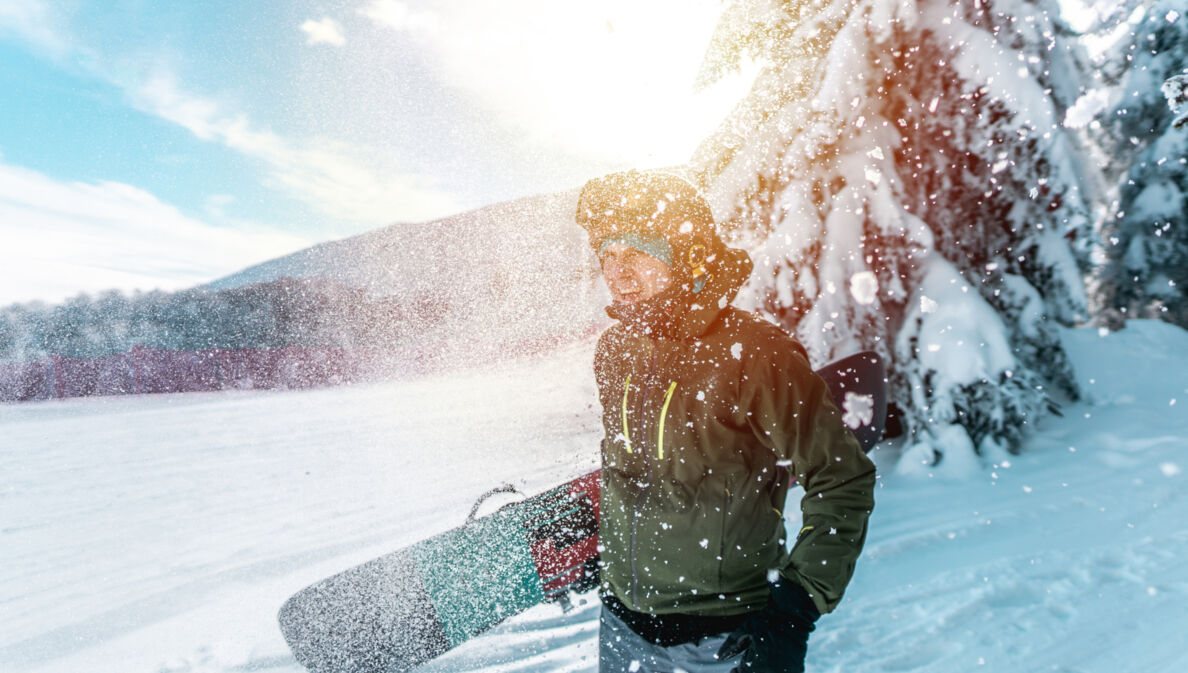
<point>791,411</point>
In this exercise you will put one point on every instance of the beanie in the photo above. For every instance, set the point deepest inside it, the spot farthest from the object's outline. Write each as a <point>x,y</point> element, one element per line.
<point>650,205</point>
<point>656,246</point>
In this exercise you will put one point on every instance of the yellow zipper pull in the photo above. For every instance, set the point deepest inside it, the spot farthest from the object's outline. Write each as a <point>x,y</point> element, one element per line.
<point>663,413</point>
<point>626,431</point>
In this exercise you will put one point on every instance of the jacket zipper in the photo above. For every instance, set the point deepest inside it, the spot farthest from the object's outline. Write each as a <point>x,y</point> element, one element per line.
<point>648,471</point>
<point>722,532</point>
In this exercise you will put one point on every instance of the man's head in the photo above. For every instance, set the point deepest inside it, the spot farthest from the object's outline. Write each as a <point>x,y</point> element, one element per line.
<point>650,230</point>
<point>635,270</point>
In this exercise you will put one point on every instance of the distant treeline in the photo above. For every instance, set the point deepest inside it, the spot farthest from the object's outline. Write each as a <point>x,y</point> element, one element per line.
<point>285,312</point>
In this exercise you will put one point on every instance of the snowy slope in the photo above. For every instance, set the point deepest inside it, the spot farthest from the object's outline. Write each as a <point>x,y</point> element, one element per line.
<point>401,258</point>
<point>161,533</point>
<point>503,278</point>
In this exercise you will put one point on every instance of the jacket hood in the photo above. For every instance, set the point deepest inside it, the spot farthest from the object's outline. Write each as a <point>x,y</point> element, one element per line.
<point>681,313</point>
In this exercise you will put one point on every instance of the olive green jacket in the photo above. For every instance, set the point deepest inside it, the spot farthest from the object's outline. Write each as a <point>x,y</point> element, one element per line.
<point>704,430</point>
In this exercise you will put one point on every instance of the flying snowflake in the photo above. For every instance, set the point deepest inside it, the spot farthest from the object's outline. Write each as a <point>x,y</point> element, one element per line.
<point>864,286</point>
<point>859,410</point>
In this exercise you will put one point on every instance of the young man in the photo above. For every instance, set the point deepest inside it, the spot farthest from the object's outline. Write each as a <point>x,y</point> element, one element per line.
<point>709,413</point>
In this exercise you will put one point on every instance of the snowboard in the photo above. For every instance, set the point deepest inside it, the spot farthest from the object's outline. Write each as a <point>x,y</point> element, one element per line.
<point>403,609</point>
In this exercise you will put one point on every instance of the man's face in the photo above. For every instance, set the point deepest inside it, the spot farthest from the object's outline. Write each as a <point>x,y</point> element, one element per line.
<point>632,275</point>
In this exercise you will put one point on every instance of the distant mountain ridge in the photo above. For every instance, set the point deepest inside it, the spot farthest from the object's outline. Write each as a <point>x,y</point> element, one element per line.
<point>371,260</point>
<point>506,274</point>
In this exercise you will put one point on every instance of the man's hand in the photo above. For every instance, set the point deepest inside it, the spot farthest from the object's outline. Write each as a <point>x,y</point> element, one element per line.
<point>775,639</point>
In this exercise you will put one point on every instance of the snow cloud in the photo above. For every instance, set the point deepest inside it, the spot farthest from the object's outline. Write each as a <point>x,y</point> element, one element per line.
<point>324,31</point>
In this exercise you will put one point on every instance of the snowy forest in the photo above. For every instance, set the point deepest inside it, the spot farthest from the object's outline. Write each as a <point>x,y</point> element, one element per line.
<point>948,183</point>
<point>944,183</point>
<point>284,312</point>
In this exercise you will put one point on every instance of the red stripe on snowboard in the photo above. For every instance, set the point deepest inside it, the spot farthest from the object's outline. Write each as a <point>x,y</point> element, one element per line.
<point>558,567</point>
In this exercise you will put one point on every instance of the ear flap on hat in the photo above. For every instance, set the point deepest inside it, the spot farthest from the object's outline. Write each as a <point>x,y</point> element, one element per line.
<point>695,260</point>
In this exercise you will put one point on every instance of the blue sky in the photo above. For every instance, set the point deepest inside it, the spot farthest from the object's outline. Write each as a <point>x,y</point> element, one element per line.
<point>164,144</point>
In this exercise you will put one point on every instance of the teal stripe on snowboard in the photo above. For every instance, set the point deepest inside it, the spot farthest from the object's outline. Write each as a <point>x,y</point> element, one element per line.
<point>481,574</point>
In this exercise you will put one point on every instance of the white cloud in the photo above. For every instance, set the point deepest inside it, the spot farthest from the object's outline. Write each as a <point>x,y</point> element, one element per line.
<point>325,31</point>
<point>216,205</point>
<point>349,183</point>
<point>344,181</point>
<point>33,21</point>
<point>62,238</point>
<point>400,17</point>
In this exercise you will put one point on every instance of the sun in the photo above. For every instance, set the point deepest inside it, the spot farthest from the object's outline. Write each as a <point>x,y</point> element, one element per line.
<point>612,80</point>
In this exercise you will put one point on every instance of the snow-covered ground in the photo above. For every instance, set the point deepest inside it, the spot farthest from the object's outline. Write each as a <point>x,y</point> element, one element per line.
<point>161,533</point>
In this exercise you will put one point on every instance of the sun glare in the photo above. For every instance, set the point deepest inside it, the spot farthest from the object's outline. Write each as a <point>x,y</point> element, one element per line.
<point>613,80</point>
<point>639,101</point>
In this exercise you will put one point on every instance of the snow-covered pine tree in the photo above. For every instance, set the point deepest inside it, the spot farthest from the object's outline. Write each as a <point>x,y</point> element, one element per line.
<point>901,176</point>
<point>1145,238</point>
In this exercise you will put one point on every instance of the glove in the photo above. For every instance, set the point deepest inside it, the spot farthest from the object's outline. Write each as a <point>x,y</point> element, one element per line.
<point>774,639</point>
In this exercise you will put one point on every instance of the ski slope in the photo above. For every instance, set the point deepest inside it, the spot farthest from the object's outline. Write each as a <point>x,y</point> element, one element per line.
<point>159,534</point>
